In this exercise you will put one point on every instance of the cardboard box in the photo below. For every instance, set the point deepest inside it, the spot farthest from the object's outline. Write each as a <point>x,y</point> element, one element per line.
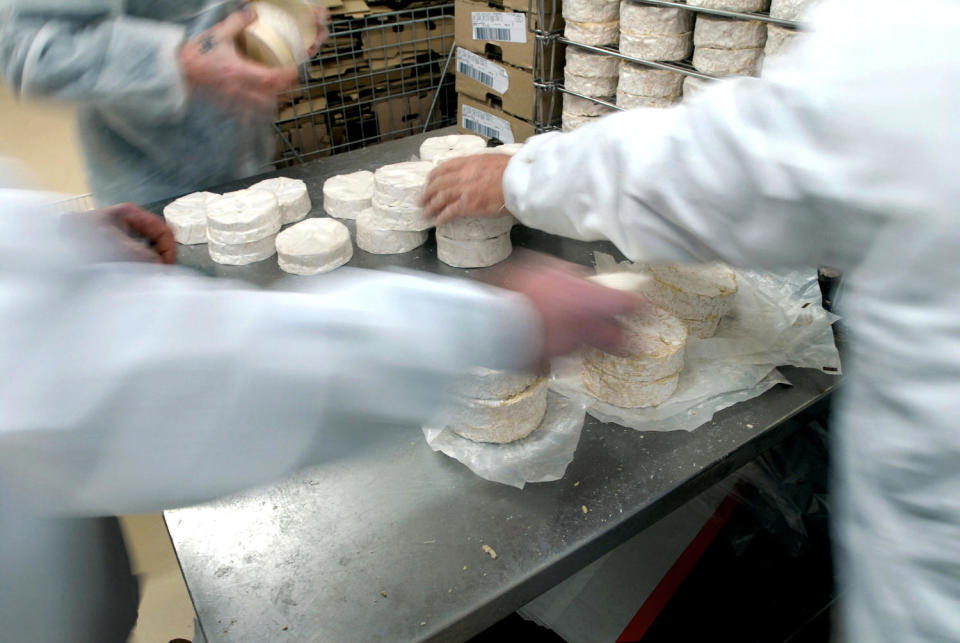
<point>476,117</point>
<point>509,88</point>
<point>402,116</point>
<point>503,34</point>
<point>392,39</point>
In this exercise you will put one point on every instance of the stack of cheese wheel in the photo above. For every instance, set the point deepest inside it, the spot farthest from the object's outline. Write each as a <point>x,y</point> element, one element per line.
<point>499,407</point>
<point>438,149</point>
<point>692,86</point>
<point>474,242</point>
<point>292,196</point>
<point>314,246</point>
<point>654,33</point>
<point>589,74</point>
<point>345,196</point>
<point>242,227</point>
<point>781,39</point>
<point>187,217</point>
<point>699,295</point>
<point>592,22</point>
<point>648,373</point>
<point>395,223</point>
<point>641,86</point>
<point>728,47</point>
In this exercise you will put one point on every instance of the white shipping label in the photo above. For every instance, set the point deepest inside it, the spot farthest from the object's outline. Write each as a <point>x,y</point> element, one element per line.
<point>486,124</point>
<point>499,27</point>
<point>482,70</point>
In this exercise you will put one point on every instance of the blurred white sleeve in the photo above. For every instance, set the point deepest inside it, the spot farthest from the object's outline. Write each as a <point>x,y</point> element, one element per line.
<point>128,387</point>
<point>801,167</point>
<point>82,51</point>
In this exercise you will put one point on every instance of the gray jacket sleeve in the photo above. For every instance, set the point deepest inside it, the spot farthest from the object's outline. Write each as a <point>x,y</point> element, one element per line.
<point>87,53</point>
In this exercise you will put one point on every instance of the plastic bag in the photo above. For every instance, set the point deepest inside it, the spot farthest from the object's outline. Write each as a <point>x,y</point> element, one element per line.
<point>542,456</point>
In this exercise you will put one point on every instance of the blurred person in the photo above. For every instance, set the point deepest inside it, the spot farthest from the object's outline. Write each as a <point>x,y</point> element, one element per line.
<point>845,154</point>
<point>135,387</point>
<point>166,103</point>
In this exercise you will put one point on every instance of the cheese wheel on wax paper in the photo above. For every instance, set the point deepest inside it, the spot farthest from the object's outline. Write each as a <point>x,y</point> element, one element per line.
<point>502,421</point>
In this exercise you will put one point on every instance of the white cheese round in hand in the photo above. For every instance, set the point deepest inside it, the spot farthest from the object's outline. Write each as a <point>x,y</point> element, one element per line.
<point>590,10</point>
<point>374,238</point>
<point>570,122</point>
<point>473,254</point>
<point>631,101</point>
<point>646,81</point>
<point>242,217</point>
<point>728,62</point>
<point>400,183</point>
<point>283,25</point>
<point>476,228</point>
<point>661,47</point>
<point>593,33</point>
<point>628,394</point>
<point>654,346</point>
<point>292,195</point>
<point>581,62</point>
<point>732,5</point>
<point>598,86</point>
<point>585,107</point>
<point>488,384</point>
<point>347,195</point>
<point>244,253</point>
<point>451,146</point>
<point>642,20</point>
<point>694,293</point>
<point>727,33</point>
<point>314,246</point>
<point>502,421</point>
<point>187,217</point>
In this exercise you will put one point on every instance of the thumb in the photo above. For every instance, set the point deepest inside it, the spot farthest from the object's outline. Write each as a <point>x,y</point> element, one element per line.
<point>234,24</point>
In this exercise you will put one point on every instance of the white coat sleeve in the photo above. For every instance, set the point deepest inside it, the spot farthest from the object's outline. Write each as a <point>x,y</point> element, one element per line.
<point>83,52</point>
<point>800,167</point>
<point>132,388</point>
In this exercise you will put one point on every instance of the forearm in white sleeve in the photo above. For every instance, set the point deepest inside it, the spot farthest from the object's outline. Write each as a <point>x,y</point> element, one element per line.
<point>93,58</point>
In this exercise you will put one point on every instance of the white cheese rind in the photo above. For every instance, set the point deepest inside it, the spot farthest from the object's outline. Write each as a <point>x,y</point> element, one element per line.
<point>791,9</point>
<point>244,253</point>
<point>727,33</point>
<point>487,384</point>
<point>570,122</point>
<point>780,40</point>
<point>473,254</point>
<point>641,20</point>
<point>628,394</point>
<point>187,217</point>
<point>507,148</point>
<point>502,421</point>
<point>585,107</point>
<point>728,62</point>
<point>404,217</point>
<point>593,33</point>
<point>692,292</point>
<point>375,239</point>
<point>598,86</point>
<point>590,10</point>
<point>645,81</point>
<point>693,86</point>
<point>292,196</point>
<point>654,346</point>
<point>242,217</point>
<point>284,25</point>
<point>732,5</point>
<point>401,183</point>
<point>450,146</point>
<point>631,101</point>
<point>476,228</point>
<point>586,63</point>
<point>314,246</point>
<point>347,195</point>
<point>665,47</point>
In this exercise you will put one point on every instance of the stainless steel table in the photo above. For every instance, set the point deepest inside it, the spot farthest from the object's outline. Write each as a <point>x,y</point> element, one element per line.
<point>388,545</point>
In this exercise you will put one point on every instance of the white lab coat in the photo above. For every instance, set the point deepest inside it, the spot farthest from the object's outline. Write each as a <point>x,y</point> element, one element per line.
<point>134,387</point>
<point>845,155</point>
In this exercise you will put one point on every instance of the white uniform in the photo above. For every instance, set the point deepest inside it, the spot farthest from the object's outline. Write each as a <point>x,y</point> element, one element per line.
<point>133,387</point>
<point>850,165</point>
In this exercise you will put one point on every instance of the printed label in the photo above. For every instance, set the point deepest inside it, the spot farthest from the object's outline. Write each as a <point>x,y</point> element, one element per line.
<point>499,27</point>
<point>482,70</point>
<point>486,124</point>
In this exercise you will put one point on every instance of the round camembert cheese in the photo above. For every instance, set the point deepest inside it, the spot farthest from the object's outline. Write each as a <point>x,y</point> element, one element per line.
<point>700,295</point>
<point>728,62</point>
<point>632,101</point>
<point>791,9</point>
<point>570,122</point>
<point>401,183</point>
<point>187,217</point>
<point>590,10</point>
<point>504,420</point>
<point>488,384</point>
<point>646,81</point>
<point>657,47</point>
<point>376,239</point>
<point>780,40</point>
<point>627,394</point>
<point>242,217</point>
<point>727,33</point>
<point>593,33</point>
<point>597,86</point>
<point>654,347</point>
<point>292,195</point>
<point>347,195</point>
<point>243,253</point>
<point>644,20</point>
<point>440,148</point>
<point>584,107</point>
<point>473,254</point>
<point>314,246</point>
<point>476,228</point>
<point>580,62</point>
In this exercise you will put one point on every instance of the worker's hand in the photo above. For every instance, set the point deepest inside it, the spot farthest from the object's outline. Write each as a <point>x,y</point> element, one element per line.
<point>574,311</point>
<point>323,31</point>
<point>471,186</point>
<point>212,64</point>
<point>124,232</point>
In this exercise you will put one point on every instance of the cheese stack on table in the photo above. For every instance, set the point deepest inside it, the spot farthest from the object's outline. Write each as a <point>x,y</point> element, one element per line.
<point>655,33</point>
<point>648,374</point>
<point>395,223</point>
<point>187,217</point>
<point>292,196</point>
<point>642,86</point>
<point>475,242</point>
<point>498,406</point>
<point>699,295</point>
<point>589,74</point>
<point>728,47</point>
<point>345,196</point>
<point>242,227</point>
<point>591,22</point>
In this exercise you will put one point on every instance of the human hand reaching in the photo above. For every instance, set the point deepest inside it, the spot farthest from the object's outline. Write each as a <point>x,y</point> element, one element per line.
<point>471,186</point>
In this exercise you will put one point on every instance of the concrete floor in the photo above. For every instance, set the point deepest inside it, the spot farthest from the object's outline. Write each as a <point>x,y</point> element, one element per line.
<point>43,138</point>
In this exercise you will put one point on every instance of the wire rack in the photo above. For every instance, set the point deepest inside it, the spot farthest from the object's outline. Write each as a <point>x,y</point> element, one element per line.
<point>556,89</point>
<point>379,77</point>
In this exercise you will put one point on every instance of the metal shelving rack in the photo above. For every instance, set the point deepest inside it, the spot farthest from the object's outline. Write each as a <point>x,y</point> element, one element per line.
<point>547,89</point>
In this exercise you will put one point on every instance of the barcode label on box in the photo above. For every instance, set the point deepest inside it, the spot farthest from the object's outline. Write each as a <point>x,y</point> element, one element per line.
<point>499,27</point>
<point>482,70</point>
<point>486,124</point>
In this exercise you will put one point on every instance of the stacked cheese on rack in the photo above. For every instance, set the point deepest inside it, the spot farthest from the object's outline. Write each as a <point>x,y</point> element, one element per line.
<point>655,33</point>
<point>314,246</point>
<point>438,149</point>
<point>345,196</point>
<point>498,407</point>
<point>395,223</point>
<point>649,371</point>
<point>699,295</point>
<point>589,74</point>
<point>292,196</point>
<point>782,39</point>
<point>728,47</point>
<point>242,227</point>
<point>642,86</point>
<point>592,22</point>
<point>187,217</point>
